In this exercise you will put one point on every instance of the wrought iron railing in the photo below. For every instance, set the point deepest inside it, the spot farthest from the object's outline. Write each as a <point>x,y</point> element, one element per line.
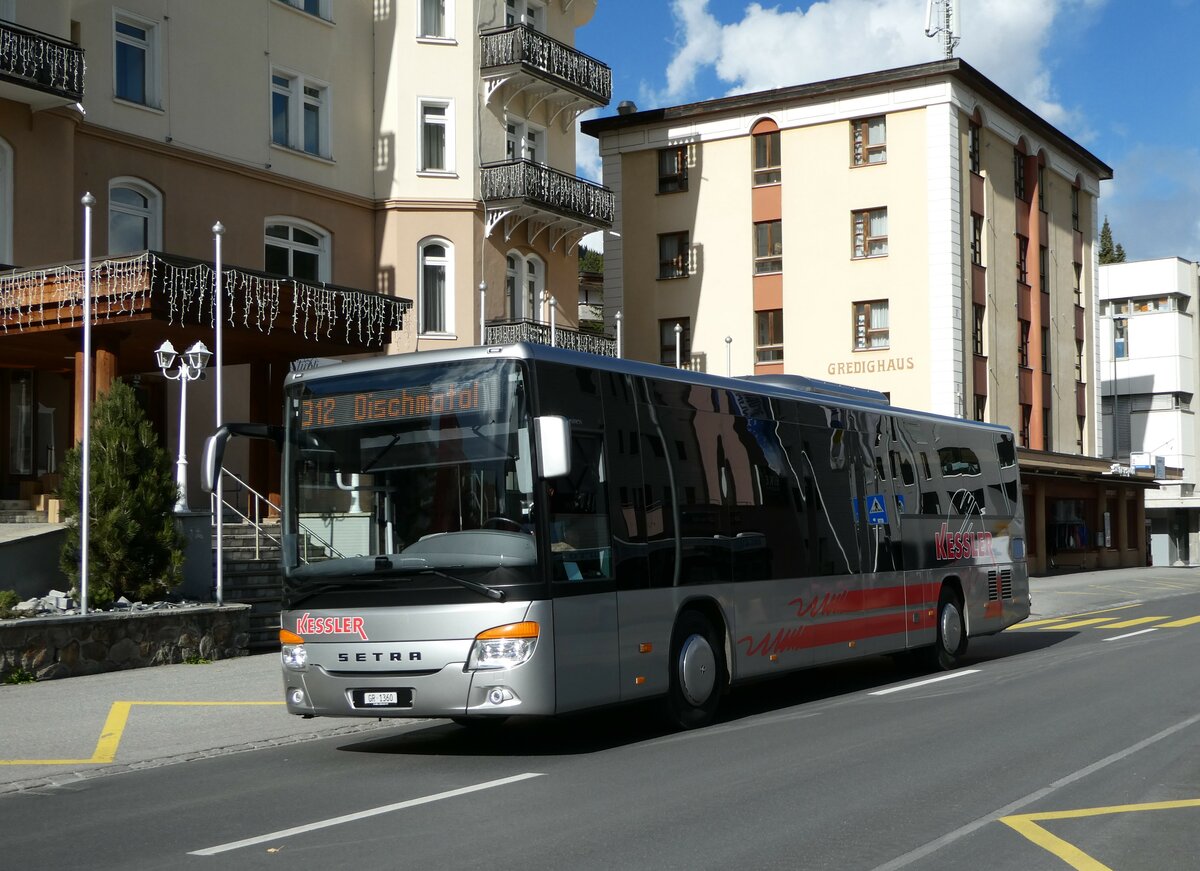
<point>551,59</point>
<point>540,334</point>
<point>39,60</point>
<point>548,188</point>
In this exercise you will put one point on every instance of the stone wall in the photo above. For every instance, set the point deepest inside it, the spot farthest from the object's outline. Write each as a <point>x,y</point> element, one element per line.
<point>53,647</point>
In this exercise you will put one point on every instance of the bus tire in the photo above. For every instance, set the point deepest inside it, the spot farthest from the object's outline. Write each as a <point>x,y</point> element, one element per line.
<point>951,630</point>
<point>697,671</point>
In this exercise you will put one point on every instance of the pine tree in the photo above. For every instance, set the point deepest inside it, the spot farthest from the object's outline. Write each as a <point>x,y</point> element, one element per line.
<point>590,261</point>
<point>134,547</point>
<point>1109,253</point>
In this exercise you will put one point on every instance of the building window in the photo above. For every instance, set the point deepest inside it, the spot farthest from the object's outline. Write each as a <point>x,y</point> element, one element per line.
<point>6,202</point>
<point>667,341</point>
<point>768,247</point>
<point>319,8</point>
<point>1044,268</point>
<point>135,60</point>
<point>1079,360</point>
<point>1041,186</point>
<point>525,280</point>
<point>1080,425</point>
<point>1046,355</point>
<point>980,407</point>
<point>973,133</point>
<point>1047,429</point>
<point>1026,415</point>
<point>134,216</point>
<point>437,136</point>
<point>1023,344</point>
<point>523,141</point>
<point>296,249</point>
<point>1022,259</point>
<point>977,239</point>
<point>1019,176</point>
<point>435,315</point>
<point>433,22</point>
<point>1078,284</point>
<point>1120,338</point>
<point>525,12</point>
<point>1074,208</point>
<point>766,158</point>
<point>672,169</point>
<point>980,313</point>
<point>870,233</point>
<point>673,250</point>
<point>871,325</point>
<point>299,113</point>
<point>768,332</point>
<point>868,141</point>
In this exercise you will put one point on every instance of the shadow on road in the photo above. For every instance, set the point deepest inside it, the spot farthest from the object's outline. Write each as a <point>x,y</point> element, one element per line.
<point>596,731</point>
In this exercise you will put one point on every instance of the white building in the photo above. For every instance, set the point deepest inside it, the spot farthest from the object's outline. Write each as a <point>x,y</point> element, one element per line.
<point>1149,347</point>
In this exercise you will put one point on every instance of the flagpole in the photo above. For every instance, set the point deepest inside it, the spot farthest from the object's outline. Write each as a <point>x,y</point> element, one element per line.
<point>86,446</point>
<point>218,299</point>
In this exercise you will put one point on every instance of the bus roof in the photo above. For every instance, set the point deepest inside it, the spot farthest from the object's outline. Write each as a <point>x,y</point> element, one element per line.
<point>795,387</point>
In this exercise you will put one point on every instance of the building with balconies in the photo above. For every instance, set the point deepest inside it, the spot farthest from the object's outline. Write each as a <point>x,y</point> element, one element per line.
<point>390,176</point>
<point>1149,366</point>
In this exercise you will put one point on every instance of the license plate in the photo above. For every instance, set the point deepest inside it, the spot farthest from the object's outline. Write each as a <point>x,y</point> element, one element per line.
<point>399,697</point>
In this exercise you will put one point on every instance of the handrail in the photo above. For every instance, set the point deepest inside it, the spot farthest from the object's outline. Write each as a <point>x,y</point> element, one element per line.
<point>256,521</point>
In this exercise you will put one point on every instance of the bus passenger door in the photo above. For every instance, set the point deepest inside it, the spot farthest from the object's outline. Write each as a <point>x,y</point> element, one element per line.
<point>578,546</point>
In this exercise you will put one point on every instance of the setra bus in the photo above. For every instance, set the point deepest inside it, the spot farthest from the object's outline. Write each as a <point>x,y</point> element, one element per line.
<point>524,530</point>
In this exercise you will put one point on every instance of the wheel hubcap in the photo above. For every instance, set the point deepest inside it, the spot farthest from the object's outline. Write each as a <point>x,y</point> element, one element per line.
<point>951,628</point>
<point>697,670</point>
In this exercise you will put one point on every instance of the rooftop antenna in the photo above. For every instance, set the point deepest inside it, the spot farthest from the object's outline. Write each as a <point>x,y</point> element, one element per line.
<point>941,17</point>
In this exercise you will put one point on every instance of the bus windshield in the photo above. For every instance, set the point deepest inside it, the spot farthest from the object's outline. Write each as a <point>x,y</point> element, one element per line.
<point>408,471</point>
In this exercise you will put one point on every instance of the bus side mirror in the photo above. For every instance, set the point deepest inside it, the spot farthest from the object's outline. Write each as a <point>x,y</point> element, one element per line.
<point>214,455</point>
<point>554,446</point>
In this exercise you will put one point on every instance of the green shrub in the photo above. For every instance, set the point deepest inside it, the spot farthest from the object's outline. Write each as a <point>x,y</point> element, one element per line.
<point>8,600</point>
<point>19,675</point>
<point>134,547</point>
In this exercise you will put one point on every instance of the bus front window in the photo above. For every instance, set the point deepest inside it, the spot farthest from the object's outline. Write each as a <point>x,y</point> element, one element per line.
<point>427,463</point>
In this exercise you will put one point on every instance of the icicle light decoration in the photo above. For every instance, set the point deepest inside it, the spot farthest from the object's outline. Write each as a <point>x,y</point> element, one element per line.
<point>124,286</point>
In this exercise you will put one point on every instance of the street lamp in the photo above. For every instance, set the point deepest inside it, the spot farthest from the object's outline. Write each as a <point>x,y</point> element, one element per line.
<point>182,368</point>
<point>1120,350</point>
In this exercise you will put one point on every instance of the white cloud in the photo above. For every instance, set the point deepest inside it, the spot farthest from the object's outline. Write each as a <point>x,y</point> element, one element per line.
<point>1151,204</point>
<point>780,46</point>
<point>587,150</point>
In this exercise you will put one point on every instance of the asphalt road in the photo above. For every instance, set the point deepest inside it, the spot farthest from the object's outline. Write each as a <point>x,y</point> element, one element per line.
<point>1068,742</point>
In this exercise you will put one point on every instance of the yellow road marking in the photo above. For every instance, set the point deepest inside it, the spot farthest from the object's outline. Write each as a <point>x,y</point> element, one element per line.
<point>1125,624</point>
<point>1079,623</point>
<point>114,728</point>
<point>1027,825</point>
<point>1176,624</point>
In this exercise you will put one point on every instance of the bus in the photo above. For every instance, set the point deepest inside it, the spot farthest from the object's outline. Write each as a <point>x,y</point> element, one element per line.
<point>490,532</point>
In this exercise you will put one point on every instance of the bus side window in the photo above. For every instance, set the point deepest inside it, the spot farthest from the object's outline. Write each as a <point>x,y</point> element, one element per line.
<point>578,514</point>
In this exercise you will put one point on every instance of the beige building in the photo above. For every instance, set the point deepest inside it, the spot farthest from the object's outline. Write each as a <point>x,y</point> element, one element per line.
<point>389,175</point>
<point>916,231</point>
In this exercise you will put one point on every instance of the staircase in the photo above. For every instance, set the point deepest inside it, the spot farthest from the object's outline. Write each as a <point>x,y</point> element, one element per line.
<point>20,511</point>
<point>253,580</point>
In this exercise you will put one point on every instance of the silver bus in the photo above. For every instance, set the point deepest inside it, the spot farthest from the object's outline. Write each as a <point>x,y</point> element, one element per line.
<point>524,530</point>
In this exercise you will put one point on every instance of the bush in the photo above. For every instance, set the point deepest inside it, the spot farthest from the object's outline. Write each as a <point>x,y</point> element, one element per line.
<point>8,600</point>
<point>134,547</point>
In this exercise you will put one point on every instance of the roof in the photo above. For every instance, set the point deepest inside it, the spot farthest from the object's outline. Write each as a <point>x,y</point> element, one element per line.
<point>954,67</point>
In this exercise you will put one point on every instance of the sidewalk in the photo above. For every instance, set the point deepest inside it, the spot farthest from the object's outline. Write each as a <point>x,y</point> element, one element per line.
<point>58,731</point>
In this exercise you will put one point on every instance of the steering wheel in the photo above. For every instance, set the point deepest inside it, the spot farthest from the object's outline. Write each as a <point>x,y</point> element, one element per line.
<point>505,523</point>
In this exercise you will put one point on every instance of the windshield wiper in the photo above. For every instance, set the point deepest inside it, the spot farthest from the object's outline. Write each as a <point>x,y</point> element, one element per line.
<point>474,586</point>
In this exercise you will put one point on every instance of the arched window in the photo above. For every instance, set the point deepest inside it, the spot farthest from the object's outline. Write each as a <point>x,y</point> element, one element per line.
<point>6,202</point>
<point>436,279</point>
<point>525,280</point>
<point>134,216</point>
<point>296,249</point>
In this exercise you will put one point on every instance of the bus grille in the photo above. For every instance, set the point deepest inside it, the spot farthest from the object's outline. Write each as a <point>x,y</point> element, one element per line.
<point>999,584</point>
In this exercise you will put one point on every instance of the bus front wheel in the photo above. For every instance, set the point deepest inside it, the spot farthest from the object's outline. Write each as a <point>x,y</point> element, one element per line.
<point>697,672</point>
<point>951,630</point>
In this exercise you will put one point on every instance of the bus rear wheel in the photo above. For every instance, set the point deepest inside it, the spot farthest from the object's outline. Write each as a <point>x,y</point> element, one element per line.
<point>697,672</point>
<point>951,630</point>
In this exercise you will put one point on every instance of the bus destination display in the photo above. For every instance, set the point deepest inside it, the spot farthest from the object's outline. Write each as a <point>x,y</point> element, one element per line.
<point>406,403</point>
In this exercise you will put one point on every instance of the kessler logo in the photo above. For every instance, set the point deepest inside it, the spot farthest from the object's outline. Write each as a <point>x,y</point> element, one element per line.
<point>309,625</point>
<point>961,545</point>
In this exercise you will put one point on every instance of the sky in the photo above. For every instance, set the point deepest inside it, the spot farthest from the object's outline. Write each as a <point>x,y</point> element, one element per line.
<point>1117,76</point>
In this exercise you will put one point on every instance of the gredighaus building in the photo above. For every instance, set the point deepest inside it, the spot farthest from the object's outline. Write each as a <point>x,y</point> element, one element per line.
<point>916,231</point>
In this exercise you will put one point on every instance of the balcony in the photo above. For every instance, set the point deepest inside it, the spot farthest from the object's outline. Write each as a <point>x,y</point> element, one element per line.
<point>520,61</point>
<point>552,201</point>
<point>37,69</point>
<point>505,333</point>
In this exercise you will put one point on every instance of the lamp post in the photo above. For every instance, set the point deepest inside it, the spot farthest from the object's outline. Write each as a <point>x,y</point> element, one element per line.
<point>182,368</point>
<point>1118,325</point>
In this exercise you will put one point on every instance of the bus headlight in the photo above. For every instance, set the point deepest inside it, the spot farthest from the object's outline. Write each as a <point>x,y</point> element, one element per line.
<point>503,646</point>
<point>292,652</point>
